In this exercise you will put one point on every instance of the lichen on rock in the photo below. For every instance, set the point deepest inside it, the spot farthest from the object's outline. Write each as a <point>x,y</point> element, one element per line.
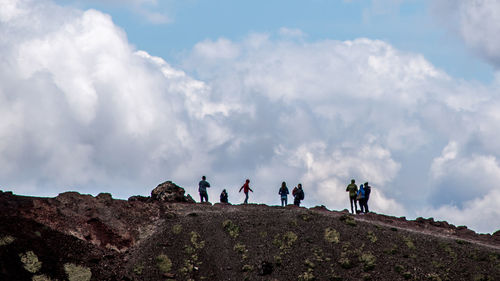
<point>77,273</point>
<point>30,262</point>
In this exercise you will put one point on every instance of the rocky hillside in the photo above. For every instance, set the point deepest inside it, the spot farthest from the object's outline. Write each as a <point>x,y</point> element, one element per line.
<point>168,237</point>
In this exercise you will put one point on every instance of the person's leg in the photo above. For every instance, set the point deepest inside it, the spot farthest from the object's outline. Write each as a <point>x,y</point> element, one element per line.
<point>286,201</point>
<point>355,205</point>
<point>246,198</point>
<point>201,197</point>
<point>206,196</point>
<point>366,205</point>
<point>362,205</point>
<point>352,207</point>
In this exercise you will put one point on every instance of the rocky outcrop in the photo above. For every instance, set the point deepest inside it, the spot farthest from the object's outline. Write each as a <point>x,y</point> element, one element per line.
<point>101,220</point>
<point>170,192</point>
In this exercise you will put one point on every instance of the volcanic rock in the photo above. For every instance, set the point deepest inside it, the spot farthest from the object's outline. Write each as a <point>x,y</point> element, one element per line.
<point>170,192</point>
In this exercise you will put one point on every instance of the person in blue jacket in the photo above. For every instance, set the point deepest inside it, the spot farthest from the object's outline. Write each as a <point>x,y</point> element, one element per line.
<point>362,199</point>
<point>284,194</point>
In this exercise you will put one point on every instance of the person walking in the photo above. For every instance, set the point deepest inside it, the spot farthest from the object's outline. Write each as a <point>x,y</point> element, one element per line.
<point>298,195</point>
<point>224,197</point>
<point>368,190</point>
<point>246,188</point>
<point>284,194</point>
<point>352,188</point>
<point>202,189</point>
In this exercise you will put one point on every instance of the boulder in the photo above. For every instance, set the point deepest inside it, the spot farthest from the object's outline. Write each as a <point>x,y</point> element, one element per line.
<point>170,192</point>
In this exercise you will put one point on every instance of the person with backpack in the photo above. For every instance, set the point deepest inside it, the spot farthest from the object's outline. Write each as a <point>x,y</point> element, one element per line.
<point>246,188</point>
<point>298,195</point>
<point>202,189</point>
<point>368,190</point>
<point>362,199</point>
<point>224,196</point>
<point>283,191</point>
<point>352,188</point>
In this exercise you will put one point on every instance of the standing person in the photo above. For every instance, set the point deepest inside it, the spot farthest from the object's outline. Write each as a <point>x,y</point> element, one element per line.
<point>299,195</point>
<point>246,188</point>
<point>202,189</point>
<point>224,197</point>
<point>352,188</point>
<point>368,190</point>
<point>361,198</point>
<point>284,194</point>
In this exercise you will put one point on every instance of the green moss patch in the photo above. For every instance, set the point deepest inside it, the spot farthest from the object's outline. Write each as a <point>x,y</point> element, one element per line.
<point>409,243</point>
<point>242,250</point>
<point>368,261</point>
<point>77,273</point>
<point>285,242</point>
<point>231,228</point>
<point>177,229</point>
<point>40,278</point>
<point>164,263</point>
<point>348,219</point>
<point>371,236</point>
<point>30,262</point>
<point>332,235</point>
<point>196,240</point>
<point>6,240</point>
<point>138,268</point>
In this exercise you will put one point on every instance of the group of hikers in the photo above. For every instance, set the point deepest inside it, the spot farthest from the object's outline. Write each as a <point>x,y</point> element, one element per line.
<point>297,193</point>
<point>224,197</point>
<point>362,194</point>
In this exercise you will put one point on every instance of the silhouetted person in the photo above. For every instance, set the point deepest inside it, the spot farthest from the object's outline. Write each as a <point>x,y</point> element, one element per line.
<point>362,199</point>
<point>352,188</point>
<point>284,194</point>
<point>368,190</point>
<point>224,197</point>
<point>202,189</point>
<point>298,195</point>
<point>246,188</point>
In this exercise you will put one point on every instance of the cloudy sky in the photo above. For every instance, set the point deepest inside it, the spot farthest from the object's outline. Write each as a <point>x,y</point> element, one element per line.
<point>119,96</point>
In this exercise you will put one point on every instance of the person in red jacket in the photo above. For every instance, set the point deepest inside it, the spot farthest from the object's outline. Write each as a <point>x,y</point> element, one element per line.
<point>246,188</point>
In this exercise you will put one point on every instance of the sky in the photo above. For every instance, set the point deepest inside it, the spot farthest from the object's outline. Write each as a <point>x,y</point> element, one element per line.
<point>119,96</point>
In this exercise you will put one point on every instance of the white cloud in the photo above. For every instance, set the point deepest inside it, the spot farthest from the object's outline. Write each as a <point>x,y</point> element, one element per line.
<point>460,178</point>
<point>291,32</point>
<point>333,110</point>
<point>477,22</point>
<point>480,214</point>
<point>9,11</point>
<point>221,49</point>
<point>82,109</point>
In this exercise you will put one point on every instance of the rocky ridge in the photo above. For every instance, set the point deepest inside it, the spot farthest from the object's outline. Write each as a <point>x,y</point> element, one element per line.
<point>168,236</point>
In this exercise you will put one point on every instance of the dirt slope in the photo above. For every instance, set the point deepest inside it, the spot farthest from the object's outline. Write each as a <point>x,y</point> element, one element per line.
<point>81,237</point>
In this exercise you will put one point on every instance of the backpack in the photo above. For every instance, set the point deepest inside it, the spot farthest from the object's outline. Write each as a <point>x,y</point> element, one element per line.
<point>300,194</point>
